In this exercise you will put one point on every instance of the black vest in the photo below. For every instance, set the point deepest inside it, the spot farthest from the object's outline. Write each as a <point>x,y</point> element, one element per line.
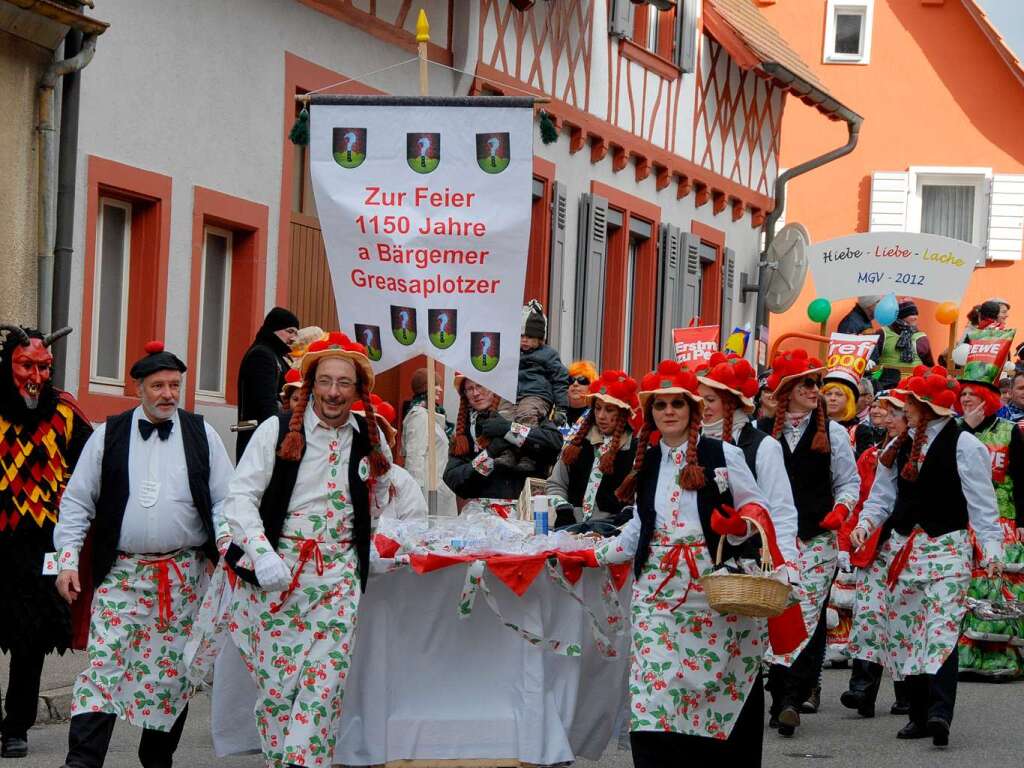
<point>113,496</point>
<point>278,495</point>
<point>810,476</point>
<point>935,501</point>
<point>711,456</point>
<point>749,441</point>
<point>579,474</point>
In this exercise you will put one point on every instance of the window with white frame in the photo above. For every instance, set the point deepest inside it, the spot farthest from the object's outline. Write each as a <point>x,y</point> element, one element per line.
<point>949,202</point>
<point>848,31</point>
<point>214,301</point>
<point>110,292</point>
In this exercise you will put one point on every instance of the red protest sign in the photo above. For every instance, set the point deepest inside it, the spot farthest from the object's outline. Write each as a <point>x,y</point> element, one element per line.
<point>695,345</point>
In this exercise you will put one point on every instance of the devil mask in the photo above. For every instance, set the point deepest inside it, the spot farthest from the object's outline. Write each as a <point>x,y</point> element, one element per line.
<point>31,366</point>
<point>26,355</point>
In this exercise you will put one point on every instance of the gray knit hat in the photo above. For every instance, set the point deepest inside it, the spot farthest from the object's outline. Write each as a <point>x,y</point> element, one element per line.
<point>535,324</point>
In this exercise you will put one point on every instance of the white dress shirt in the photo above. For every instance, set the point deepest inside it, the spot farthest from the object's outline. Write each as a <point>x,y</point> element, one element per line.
<point>845,478</point>
<point>741,483</point>
<point>159,516</point>
<point>252,475</point>
<point>975,467</point>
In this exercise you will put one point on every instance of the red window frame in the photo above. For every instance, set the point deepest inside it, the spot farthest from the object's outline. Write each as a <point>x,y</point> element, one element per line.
<point>645,282</point>
<point>538,261</point>
<point>149,195</point>
<point>711,274</point>
<point>247,221</point>
<point>666,30</point>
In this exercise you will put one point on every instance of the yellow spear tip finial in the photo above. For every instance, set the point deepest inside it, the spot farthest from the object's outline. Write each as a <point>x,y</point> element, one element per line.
<point>422,28</point>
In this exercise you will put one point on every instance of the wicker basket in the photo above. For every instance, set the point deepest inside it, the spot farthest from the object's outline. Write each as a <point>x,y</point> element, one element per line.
<point>744,594</point>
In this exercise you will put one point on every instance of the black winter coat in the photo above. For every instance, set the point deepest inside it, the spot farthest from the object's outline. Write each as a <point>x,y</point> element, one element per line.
<point>542,374</point>
<point>260,380</point>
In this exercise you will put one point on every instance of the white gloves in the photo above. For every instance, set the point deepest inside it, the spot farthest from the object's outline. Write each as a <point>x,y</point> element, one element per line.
<point>271,572</point>
<point>844,562</point>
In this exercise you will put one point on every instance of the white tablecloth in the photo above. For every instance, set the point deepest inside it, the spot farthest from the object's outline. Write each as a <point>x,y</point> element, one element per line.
<point>426,684</point>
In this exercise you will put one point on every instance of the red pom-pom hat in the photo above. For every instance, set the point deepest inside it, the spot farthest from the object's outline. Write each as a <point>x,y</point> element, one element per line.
<point>670,378</point>
<point>337,344</point>
<point>897,398</point>
<point>292,380</point>
<point>383,410</point>
<point>933,387</point>
<point>791,365</point>
<point>615,388</point>
<point>733,374</point>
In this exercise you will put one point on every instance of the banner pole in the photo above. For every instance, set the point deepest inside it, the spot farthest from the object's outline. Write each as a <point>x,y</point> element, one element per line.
<point>823,346</point>
<point>949,348</point>
<point>422,38</point>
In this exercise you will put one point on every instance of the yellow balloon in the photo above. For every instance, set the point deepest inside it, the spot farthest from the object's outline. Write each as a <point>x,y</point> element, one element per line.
<point>947,313</point>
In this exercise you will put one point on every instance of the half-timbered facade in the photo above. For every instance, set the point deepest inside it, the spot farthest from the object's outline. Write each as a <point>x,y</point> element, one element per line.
<point>200,215</point>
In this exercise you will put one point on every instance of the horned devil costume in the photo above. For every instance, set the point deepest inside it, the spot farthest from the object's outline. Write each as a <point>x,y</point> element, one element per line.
<point>41,435</point>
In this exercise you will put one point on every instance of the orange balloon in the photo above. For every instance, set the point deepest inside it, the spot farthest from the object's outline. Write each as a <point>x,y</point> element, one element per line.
<point>947,313</point>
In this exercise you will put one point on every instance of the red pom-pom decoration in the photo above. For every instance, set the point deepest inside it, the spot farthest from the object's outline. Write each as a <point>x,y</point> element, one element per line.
<point>153,347</point>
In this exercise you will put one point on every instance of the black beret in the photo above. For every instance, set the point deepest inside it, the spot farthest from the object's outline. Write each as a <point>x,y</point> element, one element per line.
<point>156,359</point>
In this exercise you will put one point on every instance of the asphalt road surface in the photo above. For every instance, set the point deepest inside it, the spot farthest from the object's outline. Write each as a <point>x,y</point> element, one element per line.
<point>986,734</point>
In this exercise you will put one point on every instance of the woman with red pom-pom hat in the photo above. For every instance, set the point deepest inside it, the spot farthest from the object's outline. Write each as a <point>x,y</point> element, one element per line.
<point>687,698</point>
<point>598,455</point>
<point>939,485</point>
<point>823,475</point>
<point>728,385</point>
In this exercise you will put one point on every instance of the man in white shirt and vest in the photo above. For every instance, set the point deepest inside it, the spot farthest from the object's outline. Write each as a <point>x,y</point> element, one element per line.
<point>148,489</point>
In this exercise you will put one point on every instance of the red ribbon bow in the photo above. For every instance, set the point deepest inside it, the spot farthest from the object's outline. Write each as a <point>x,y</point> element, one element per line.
<point>900,561</point>
<point>670,562</point>
<point>309,549</point>
<point>163,588</point>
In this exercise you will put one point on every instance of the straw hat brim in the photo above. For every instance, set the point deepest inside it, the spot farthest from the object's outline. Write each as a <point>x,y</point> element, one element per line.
<point>384,424</point>
<point>901,404</point>
<point>794,376</point>
<point>361,361</point>
<point>693,398</point>
<point>746,402</point>
<point>591,396</point>
<point>938,410</point>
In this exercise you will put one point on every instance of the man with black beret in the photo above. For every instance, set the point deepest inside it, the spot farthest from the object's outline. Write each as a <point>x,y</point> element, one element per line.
<point>261,373</point>
<point>149,488</point>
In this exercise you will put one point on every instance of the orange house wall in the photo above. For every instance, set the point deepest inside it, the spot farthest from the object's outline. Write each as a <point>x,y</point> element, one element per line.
<point>935,93</point>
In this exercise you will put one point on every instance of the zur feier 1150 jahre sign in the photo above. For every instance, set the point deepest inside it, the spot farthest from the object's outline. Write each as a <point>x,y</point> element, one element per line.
<point>927,267</point>
<point>425,210</point>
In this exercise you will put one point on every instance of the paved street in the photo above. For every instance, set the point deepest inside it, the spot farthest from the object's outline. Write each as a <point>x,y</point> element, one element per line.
<point>986,734</point>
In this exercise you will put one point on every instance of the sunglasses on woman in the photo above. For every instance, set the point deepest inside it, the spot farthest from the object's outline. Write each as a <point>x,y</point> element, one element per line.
<point>810,382</point>
<point>582,380</point>
<point>677,405</point>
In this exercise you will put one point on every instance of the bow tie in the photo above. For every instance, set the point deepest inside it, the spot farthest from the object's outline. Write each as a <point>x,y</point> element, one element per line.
<point>163,429</point>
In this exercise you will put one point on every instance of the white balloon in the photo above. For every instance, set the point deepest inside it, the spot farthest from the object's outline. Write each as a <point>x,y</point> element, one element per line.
<point>960,354</point>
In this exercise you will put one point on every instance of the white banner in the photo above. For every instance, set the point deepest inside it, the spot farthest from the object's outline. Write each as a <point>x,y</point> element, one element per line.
<point>904,263</point>
<point>425,209</point>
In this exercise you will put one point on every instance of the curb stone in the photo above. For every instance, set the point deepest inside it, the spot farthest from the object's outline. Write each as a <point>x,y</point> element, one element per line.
<point>54,705</point>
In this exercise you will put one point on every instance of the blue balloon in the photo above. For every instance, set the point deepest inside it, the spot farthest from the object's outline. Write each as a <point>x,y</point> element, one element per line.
<point>887,309</point>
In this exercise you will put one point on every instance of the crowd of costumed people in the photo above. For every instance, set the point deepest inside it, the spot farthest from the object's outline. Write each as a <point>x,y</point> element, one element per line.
<point>880,489</point>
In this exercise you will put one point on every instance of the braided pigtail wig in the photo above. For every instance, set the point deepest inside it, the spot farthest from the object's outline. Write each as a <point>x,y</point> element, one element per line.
<point>692,477</point>
<point>729,403</point>
<point>379,464</point>
<point>571,451</point>
<point>607,464</point>
<point>910,470</point>
<point>781,407</point>
<point>627,490</point>
<point>889,454</point>
<point>294,442</point>
<point>820,442</point>
<point>460,440</point>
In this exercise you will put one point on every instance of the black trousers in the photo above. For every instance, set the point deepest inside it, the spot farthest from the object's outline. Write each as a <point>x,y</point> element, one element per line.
<point>866,678</point>
<point>934,695</point>
<point>656,749</point>
<point>791,686</point>
<point>22,692</point>
<point>89,738</point>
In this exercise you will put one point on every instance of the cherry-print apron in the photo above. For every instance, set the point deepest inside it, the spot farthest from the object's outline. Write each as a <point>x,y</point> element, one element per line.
<point>871,608</point>
<point>691,668</point>
<point>297,644</point>
<point>928,580</point>
<point>817,560</point>
<point>589,504</point>
<point>143,616</point>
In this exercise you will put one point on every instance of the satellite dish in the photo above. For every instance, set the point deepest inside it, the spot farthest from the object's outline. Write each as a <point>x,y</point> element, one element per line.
<point>787,267</point>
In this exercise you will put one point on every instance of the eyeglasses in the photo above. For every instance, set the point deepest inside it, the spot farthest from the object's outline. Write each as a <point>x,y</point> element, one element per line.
<point>582,380</point>
<point>324,382</point>
<point>677,405</point>
<point>810,382</point>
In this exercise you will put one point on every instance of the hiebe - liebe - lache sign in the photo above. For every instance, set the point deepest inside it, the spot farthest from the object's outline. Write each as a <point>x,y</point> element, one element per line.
<point>928,267</point>
<point>425,209</point>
